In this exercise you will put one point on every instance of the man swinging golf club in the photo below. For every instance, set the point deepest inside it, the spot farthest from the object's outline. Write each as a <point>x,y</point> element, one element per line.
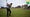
<point>8,9</point>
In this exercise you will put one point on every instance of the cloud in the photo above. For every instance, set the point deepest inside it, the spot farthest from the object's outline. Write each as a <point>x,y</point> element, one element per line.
<point>2,3</point>
<point>15,2</point>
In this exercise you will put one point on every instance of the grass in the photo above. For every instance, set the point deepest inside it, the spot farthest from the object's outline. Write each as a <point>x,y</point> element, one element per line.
<point>15,12</point>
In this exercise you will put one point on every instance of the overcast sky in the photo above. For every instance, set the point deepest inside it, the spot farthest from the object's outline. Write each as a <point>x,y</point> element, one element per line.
<point>15,2</point>
<point>2,3</point>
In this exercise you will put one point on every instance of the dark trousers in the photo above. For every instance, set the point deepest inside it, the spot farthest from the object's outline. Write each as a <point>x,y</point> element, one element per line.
<point>8,10</point>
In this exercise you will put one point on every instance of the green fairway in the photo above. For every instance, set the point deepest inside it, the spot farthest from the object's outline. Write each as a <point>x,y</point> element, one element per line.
<point>15,12</point>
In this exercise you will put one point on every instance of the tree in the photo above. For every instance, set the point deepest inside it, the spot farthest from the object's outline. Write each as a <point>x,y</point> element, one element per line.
<point>27,2</point>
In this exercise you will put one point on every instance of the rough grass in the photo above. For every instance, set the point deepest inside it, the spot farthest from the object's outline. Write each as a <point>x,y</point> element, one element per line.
<point>15,12</point>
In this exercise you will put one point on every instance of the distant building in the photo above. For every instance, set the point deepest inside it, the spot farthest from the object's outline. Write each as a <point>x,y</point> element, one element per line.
<point>24,6</point>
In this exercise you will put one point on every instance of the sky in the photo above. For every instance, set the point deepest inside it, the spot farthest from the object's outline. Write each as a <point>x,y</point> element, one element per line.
<point>2,3</point>
<point>15,2</point>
